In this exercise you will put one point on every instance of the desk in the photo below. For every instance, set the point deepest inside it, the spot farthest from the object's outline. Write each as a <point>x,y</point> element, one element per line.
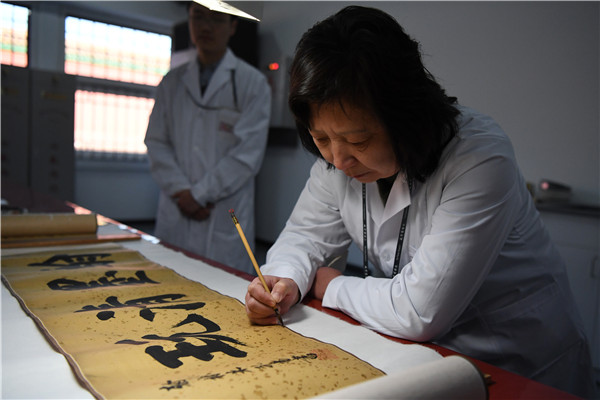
<point>36,358</point>
<point>506,385</point>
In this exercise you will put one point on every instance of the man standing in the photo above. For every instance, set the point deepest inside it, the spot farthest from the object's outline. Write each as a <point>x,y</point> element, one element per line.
<point>206,140</point>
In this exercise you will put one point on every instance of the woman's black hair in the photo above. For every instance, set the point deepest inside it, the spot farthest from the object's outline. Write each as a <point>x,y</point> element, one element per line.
<point>362,56</point>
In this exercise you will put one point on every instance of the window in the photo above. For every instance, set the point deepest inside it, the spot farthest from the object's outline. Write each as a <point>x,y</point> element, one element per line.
<point>110,123</point>
<point>111,117</point>
<point>15,20</point>
<point>113,52</point>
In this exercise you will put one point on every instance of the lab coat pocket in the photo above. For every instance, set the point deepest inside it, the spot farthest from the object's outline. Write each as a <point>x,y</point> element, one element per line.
<point>226,131</point>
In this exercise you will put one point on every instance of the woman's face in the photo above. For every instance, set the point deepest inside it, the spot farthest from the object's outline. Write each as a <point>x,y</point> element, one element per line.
<point>353,140</point>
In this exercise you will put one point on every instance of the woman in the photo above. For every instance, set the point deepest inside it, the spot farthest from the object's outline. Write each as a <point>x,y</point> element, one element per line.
<point>431,191</point>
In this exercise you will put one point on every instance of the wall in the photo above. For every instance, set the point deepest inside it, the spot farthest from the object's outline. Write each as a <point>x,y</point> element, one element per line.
<point>533,66</point>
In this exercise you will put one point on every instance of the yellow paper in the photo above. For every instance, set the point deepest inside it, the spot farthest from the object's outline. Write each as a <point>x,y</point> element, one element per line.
<point>134,329</point>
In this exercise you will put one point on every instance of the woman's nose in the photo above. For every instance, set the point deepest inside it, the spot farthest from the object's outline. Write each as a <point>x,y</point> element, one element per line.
<point>342,156</point>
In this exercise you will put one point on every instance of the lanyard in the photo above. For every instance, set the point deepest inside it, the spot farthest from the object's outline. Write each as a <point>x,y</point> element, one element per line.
<point>400,234</point>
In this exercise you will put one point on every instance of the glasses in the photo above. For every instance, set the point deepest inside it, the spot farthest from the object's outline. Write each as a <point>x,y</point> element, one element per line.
<point>212,19</point>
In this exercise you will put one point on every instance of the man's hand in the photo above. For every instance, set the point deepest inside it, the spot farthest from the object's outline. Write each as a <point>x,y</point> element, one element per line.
<point>260,304</point>
<point>203,212</point>
<point>190,208</point>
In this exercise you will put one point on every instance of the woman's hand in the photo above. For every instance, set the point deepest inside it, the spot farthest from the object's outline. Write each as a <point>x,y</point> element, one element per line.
<point>322,278</point>
<point>260,304</point>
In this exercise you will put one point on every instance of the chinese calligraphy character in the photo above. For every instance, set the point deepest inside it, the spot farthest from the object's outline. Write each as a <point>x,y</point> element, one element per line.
<point>109,279</point>
<point>185,342</point>
<point>66,261</point>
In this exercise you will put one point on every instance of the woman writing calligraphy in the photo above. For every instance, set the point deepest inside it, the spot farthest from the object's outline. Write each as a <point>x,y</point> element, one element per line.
<point>455,251</point>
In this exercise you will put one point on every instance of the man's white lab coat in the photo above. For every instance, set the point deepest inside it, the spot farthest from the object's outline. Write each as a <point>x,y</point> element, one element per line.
<point>478,271</point>
<point>213,146</point>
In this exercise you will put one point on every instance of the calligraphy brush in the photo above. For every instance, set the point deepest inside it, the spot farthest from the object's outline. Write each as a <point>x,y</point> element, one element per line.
<point>253,259</point>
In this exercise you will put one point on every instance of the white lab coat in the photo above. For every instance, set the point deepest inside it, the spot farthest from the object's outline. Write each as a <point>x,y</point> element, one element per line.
<point>207,144</point>
<point>479,273</point>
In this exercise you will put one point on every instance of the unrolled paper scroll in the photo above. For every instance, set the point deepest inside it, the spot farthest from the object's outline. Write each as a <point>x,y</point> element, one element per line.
<point>134,329</point>
<point>452,377</point>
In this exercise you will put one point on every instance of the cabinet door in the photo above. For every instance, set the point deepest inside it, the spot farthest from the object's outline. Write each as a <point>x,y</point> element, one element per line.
<point>577,239</point>
<point>582,265</point>
<point>15,124</point>
<point>52,133</point>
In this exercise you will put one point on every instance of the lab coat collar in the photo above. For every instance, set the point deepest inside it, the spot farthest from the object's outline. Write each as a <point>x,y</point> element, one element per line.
<point>191,78</point>
<point>398,199</point>
<point>221,76</point>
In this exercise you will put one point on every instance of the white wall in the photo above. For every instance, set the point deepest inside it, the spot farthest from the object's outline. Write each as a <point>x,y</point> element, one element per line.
<point>533,66</point>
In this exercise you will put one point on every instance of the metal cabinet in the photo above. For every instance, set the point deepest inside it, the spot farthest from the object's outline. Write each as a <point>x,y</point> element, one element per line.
<point>577,237</point>
<point>38,130</point>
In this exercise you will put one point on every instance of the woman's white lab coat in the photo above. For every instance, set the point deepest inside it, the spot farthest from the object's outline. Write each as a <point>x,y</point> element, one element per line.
<point>479,273</point>
<point>214,145</point>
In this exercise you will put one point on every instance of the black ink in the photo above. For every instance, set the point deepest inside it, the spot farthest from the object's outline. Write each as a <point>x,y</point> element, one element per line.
<point>212,343</point>
<point>105,315</point>
<point>147,314</point>
<point>74,261</point>
<point>109,279</point>
<point>179,384</point>
<point>143,302</point>
<point>212,376</point>
<point>199,319</point>
<point>238,370</point>
<point>260,367</point>
<point>128,341</point>
<point>184,349</point>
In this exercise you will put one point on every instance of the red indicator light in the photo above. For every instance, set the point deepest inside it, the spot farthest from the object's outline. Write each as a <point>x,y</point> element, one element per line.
<point>274,66</point>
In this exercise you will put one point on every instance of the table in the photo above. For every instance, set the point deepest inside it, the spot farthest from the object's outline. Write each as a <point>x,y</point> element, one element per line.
<point>504,384</point>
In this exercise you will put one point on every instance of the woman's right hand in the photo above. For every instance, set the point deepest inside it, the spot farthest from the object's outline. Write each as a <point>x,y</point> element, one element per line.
<point>260,304</point>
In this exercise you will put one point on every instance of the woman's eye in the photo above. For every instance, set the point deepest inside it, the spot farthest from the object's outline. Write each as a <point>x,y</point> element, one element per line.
<point>361,144</point>
<point>321,141</point>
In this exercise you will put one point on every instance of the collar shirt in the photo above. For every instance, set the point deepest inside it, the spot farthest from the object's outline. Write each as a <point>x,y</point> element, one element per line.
<point>206,72</point>
<point>478,273</point>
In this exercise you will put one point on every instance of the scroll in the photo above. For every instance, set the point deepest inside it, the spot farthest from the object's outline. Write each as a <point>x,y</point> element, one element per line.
<point>30,230</point>
<point>131,328</point>
<point>19,225</point>
<point>453,377</point>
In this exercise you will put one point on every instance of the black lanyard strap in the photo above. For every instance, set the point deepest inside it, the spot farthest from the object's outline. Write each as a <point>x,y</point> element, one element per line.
<point>400,234</point>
